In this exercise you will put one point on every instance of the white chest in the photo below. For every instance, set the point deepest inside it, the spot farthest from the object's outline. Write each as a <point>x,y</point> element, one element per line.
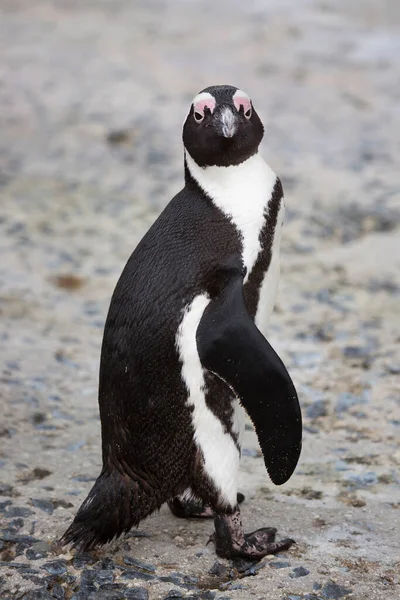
<point>242,193</point>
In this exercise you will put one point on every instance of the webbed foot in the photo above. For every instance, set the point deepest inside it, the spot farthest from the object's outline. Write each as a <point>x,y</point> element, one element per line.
<point>231,541</point>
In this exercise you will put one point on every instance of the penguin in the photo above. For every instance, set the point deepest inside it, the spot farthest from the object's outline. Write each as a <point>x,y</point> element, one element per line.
<point>185,352</point>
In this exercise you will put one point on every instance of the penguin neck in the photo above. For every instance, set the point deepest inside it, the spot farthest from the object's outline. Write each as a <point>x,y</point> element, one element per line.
<point>242,193</point>
<point>223,177</point>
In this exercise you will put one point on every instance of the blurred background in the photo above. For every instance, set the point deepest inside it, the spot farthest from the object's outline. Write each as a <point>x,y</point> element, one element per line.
<point>93,94</point>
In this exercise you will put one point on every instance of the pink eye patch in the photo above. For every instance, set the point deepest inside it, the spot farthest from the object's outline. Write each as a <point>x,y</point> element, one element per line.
<point>203,101</point>
<point>242,101</point>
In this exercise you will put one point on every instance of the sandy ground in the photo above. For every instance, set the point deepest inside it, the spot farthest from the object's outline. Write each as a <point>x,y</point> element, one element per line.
<point>92,97</point>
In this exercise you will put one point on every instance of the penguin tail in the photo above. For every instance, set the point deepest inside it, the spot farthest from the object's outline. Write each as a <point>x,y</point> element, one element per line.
<point>114,505</point>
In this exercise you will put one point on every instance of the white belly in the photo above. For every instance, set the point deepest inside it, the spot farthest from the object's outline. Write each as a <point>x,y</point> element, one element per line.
<point>220,453</point>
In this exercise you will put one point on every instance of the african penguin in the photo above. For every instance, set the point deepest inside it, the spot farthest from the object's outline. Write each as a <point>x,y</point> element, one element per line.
<point>184,352</point>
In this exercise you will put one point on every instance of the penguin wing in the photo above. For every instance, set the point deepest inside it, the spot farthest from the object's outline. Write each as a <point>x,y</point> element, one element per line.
<point>233,348</point>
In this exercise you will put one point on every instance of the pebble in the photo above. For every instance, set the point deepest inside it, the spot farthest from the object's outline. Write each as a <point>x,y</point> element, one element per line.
<point>40,594</point>
<point>219,569</point>
<point>174,594</point>
<point>333,591</point>
<point>132,574</point>
<point>14,565</point>
<point>5,489</point>
<point>232,585</point>
<point>18,511</point>
<point>317,409</point>
<point>128,560</point>
<point>58,592</point>
<point>363,479</point>
<point>136,594</point>
<point>55,567</point>
<point>346,401</point>
<point>81,560</point>
<point>16,523</point>
<point>279,565</point>
<point>299,572</point>
<point>4,505</point>
<point>45,505</point>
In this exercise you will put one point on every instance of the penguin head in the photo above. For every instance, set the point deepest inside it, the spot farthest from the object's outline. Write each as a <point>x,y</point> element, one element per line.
<point>222,127</point>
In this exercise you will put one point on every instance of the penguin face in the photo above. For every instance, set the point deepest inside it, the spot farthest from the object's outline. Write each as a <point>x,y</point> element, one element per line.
<point>222,127</point>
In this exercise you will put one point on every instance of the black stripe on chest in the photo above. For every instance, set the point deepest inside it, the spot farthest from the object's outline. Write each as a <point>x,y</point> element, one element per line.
<point>252,287</point>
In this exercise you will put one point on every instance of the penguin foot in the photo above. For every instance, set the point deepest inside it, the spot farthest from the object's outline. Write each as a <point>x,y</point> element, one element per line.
<point>231,541</point>
<point>190,509</point>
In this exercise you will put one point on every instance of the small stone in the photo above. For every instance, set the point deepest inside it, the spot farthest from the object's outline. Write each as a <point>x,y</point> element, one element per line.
<point>87,581</point>
<point>16,538</point>
<point>134,562</point>
<point>119,136</point>
<point>40,594</point>
<point>18,511</point>
<point>4,506</point>
<point>346,401</point>
<point>363,479</point>
<point>138,593</point>
<point>174,594</point>
<point>317,409</point>
<point>103,576</point>
<point>219,569</point>
<point>58,592</point>
<point>179,539</point>
<point>81,560</point>
<point>232,585</point>
<point>317,586</point>
<point>5,489</point>
<point>44,505</point>
<point>39,473</point>
<point>333,591</point>
<point>132,574</point>
<point>299,572</point>
<point>279,565</point>
<point>55,567</point>
<point>14,565</point>
<point>17,523</point>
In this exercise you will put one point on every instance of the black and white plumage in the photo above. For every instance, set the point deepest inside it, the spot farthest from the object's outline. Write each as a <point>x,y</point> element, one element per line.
<point>184,352</point>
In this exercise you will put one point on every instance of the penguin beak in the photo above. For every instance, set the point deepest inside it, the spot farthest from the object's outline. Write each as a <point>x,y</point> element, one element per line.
<point>226,123</point>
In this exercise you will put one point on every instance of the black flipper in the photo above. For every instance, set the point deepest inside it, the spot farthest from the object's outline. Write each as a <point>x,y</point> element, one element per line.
<point>232,347</point>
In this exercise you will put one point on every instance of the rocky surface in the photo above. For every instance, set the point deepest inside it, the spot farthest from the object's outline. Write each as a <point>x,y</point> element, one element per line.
<point>92,97</point>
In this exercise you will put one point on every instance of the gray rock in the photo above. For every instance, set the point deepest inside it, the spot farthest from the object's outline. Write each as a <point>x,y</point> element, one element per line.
<point>40,594</point>
<point>317,409</point>
<point>128,560</point>
<point>81,560</point>
<point>18,511</point>
<point>279,564</point>
<point>219,569</point>
<point>55,567</point>
<point>299,572</point>
<point>58,592</point>
<point>136,594</point>
<point>5,489</point>
<point>45,505</point>
<point>333,591</point>
<point>133,574</point>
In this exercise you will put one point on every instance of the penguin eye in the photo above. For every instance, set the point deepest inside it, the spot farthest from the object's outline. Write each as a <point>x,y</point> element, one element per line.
<point>198,117</point>
<point>248,113</point>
